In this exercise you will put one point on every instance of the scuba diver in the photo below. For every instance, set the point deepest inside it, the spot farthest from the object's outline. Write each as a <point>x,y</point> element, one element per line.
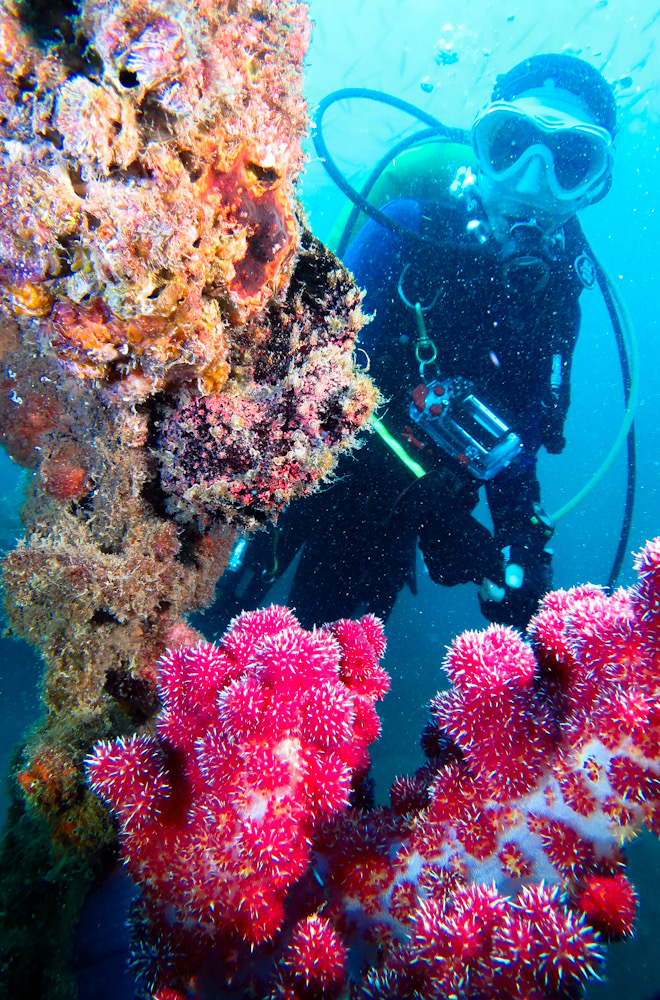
<point>474,292</point>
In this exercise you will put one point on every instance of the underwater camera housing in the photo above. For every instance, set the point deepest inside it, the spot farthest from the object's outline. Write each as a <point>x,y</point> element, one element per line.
<point>464,427</point>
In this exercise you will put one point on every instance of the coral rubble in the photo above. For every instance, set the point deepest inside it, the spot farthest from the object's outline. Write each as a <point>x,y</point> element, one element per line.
<point>498,871</point>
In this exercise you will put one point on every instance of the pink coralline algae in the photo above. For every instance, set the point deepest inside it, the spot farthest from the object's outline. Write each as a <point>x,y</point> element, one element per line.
<point>498,870</point>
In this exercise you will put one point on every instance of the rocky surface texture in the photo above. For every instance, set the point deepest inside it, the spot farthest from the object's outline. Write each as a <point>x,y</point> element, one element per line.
<point>177,352</point>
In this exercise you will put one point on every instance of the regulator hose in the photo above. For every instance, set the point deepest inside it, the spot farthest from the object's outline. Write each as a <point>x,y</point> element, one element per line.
<point>359,199</point>
<point>626,343</point>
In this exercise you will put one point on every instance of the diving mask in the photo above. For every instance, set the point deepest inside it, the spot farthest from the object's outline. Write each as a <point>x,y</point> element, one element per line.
<point>536,150</point>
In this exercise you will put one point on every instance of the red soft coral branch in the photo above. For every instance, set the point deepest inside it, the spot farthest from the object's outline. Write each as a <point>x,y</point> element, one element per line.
<point>498,871</point>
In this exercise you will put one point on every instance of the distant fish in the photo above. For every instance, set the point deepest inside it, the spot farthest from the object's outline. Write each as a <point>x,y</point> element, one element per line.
<point>598,5</point>
<point>403,61</point>
<point>638,97</point>
<point>482,70</point>
<point>348,73</point>
<point>525,35</point>
<point>650,23</point>
<point>609,54</point>
<point>580,21</point>
<point>643,61</point>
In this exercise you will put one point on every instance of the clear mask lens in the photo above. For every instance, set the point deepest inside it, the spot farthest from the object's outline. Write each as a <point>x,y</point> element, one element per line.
<point>577,156</point>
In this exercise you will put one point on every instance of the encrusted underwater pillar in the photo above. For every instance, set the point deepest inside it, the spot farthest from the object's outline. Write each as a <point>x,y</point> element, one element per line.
<point>177,352</point>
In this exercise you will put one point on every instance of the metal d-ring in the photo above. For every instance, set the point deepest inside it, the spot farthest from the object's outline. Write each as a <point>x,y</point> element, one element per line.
<point>425,350</point>
<point>404,298</point>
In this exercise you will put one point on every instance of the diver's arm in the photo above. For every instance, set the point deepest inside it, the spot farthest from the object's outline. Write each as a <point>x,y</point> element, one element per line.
<point>556,389</point>
<point>512,596</point>
<point>511,497</point>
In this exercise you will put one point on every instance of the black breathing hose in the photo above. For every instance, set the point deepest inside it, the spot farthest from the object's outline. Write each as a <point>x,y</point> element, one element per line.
<point>359,200</point>
<point>622,549</point>
<point>400,147</point>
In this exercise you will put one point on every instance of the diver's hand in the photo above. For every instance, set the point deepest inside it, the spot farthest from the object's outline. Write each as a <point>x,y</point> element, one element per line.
<point>489,591</point>
<point>513,598</point>
<point>554,443</point>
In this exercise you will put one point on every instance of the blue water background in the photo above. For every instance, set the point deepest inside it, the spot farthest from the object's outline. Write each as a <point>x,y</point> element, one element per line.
<point>458,48</point>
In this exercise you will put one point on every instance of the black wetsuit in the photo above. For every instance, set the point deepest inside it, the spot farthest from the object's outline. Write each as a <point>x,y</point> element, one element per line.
<point>507,325</point>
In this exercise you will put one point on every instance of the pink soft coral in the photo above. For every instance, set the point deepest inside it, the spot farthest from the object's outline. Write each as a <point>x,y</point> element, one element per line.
<point>258,742</point>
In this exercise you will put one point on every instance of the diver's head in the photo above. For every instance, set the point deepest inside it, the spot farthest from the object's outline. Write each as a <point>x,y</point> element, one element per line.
<point>544,143</point>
